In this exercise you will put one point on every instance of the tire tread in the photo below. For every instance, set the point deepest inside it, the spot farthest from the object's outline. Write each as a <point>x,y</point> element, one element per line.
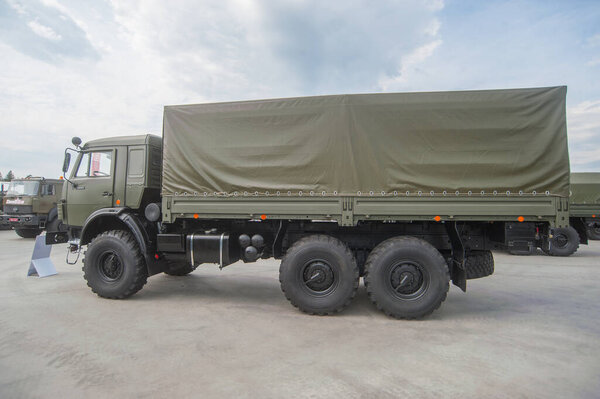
<point>384,247</point>
<point>141,273</point>
<point>329,241</point>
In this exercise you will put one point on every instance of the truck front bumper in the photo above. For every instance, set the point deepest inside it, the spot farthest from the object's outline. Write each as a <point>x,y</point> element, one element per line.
<point>4,222</point>
<point>20,221</point>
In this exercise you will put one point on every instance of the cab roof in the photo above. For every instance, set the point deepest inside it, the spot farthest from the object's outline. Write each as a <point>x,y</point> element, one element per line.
<point>125,140</point>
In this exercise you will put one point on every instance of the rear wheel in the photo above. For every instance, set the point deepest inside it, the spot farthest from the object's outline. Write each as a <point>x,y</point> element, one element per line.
<point>180,269</point>
<point>594,232</point>
<point>564,242</point>
<point>114,266</point>
<point>319,275</point>
<point>28,233</point>
<point>406,277</point>
<point>479,264</point>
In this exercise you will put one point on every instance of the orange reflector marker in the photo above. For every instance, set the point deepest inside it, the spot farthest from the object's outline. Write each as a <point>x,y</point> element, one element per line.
<point>520,218</point>
<point>61,177</point>
<point>263,217</point>
<point>437,218</point>
<point>593,216</point>
<point>195,216</point>
<point>118,202</point>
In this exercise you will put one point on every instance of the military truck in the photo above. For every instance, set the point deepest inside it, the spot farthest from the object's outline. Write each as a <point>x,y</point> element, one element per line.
<point>30,205</point>
<point>409,190</point>
<point>585,204</point>
<point>3,223</point>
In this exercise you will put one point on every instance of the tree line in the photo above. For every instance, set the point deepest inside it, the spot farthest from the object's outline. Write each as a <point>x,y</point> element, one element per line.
<point>9,176</point>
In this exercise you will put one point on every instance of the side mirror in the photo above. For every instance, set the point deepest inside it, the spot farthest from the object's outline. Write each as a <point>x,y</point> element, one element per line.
<point>76,141</point>
<point>67,161</point>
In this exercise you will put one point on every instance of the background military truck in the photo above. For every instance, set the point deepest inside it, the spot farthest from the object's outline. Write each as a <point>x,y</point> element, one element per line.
<point>30,205</point>
<point>3,223</point>
<point>585,204</point>
<point>410,190</point>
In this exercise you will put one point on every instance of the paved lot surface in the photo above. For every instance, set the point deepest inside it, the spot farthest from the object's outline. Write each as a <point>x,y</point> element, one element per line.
<point>530,330</point>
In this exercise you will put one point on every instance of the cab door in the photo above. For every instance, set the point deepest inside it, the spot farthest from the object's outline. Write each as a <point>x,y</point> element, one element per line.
<point>93,184</point>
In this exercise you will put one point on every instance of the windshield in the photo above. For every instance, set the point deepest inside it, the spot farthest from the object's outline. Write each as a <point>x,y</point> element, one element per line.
<point>23,188</point>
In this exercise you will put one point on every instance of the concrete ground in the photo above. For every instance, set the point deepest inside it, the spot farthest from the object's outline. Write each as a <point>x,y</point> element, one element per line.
<point>530,330</point>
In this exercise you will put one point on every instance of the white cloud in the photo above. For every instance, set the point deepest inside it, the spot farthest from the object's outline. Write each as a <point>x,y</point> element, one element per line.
<point>409,66</point>
<point>152,53</point>
<point>44,31</point>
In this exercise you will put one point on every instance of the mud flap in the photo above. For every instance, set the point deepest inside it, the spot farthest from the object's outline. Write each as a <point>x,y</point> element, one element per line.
<point>458,271</point>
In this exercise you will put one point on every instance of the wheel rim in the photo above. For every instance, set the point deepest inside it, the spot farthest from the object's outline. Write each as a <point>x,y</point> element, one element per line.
<point>318,277</point>
<point>560,240</point>
<point>408,280</point>
<point>110,266</point>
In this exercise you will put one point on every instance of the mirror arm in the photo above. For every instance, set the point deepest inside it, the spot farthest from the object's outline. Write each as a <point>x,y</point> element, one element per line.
<point>64,173</point>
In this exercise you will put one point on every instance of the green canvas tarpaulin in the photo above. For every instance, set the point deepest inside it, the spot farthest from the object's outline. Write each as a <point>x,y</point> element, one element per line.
<point>371,144</point>
<point>585,188</point>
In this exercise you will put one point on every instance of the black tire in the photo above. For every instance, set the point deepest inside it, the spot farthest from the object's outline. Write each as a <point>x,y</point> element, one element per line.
<point>180,268</point>
<point>479,264</point>
<point>319,275</point>
<point>564,242</point>
<point>400,258</point>
<point>593,232</point>
<point>522,252</point>
<point>114,266</point>
<point>28,233</point>
<point>55,225</point>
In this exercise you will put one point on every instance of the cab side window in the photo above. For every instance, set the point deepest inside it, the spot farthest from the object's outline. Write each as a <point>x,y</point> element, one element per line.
<point>48,189</point>
<point>95,164</point>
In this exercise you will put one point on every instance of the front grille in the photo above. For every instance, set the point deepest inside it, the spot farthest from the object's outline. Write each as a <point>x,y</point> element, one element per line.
<point>18,209</point>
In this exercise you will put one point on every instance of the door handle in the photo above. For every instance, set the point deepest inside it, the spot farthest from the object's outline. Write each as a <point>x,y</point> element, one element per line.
<point>106,194</point>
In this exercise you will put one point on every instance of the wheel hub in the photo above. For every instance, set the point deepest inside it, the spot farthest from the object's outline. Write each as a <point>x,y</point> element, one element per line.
<point>406,278</point>
<point>111,267</point>
<point>318,276</point>
<point>560,240</point>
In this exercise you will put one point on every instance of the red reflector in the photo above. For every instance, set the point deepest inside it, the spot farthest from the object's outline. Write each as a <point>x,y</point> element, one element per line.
<point>263,217</point>
<point>156,256</point>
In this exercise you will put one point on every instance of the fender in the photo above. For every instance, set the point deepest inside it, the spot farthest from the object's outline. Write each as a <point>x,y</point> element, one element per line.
<point>125,219</point>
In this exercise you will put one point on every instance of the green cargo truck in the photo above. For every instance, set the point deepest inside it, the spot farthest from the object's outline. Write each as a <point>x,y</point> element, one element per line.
<point>410,190</point>
<point>585,204</point>
<point>3,223</point>
<point>30,205</point>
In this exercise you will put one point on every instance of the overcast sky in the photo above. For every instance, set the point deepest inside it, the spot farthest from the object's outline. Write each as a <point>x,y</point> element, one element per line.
<point>104,68</point>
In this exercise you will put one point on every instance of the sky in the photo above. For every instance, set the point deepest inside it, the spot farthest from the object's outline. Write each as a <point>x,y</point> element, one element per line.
<point>107,68</point>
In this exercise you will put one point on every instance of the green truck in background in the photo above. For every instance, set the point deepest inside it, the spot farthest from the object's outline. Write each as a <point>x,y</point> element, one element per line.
<point>3,223</point>
<point>29,205</point>
<point>409,190</point>
<point>585,203</point>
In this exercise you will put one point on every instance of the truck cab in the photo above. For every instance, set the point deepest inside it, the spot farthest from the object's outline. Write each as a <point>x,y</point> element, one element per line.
<point>30,204</point>
<point>110,175</point>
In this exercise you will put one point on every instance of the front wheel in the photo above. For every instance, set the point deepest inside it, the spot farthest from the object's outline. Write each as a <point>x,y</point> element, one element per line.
<point>406,277</point>
<point>114,266</point>
<point>564,242</point>
<point>28,233</point>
